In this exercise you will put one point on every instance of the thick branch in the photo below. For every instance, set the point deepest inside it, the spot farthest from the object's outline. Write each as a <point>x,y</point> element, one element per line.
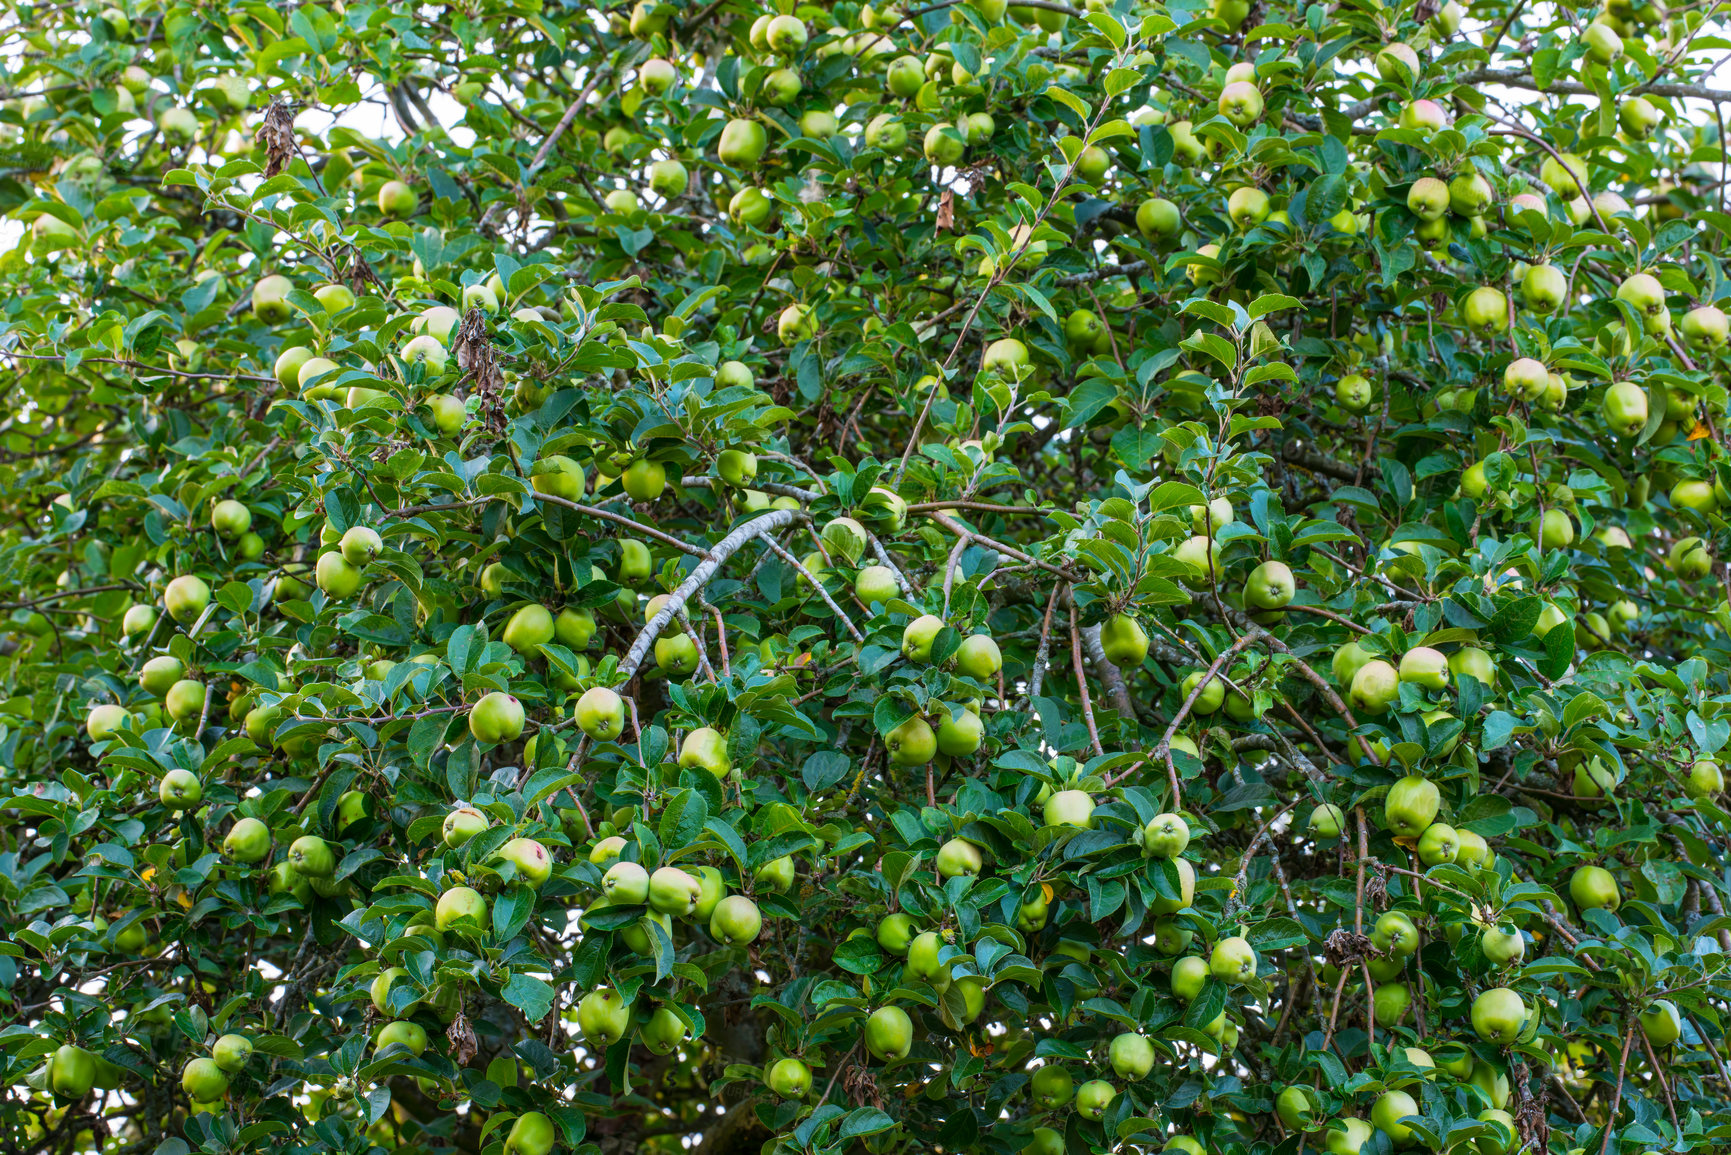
<point>713,560</point>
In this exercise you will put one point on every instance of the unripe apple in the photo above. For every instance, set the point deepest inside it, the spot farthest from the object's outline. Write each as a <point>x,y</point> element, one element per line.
<point>397,199</point>
<point>1069,808</point>
<point>104,720</point>
<point>1410,806</point>
<point>1124,641</point>
<point>1165,836</point>
<point>1602,43</point>
<point>180,790</point>
<point>534,864</point>
<point>1644,292</point>
<point>531,1132</point>
<point>1241,103</point>
<point>889,1033</point>
<point>742,144</point>
<point>232,1052</point>
<point>185,598</point>
<point>203,1081</point>
<point>1388,1111</point>
<point>461,908</point>
<point>336,576</point>
<point>959,732</point>
<point>1233,961</point>
<point>1327,821</point>
<point>1374,687</point>
<point>1705,328</point>
<point>1625,408</point>
<point>706,747</point>
<point>1503,947</point>
<point>1498,1015</point>
<point>602,1016</point>
<point>1201,554</point>
<point>1354,392</point>
<point>1427,116</point>
<point>1158,219</point>
<point>1428,198</point>
<point>1594,888</point>
<point>736,921</point>
<point>1093,1097</point>
<point>248,841</point>
<point>1486,311</point>
<point>496,718</point>
<point>876,584</point>
<point>1397,63</point>
<point>1438,844</point>
<point>1424,666</point>
<point>1661,1023</point>
<point>1565,173</point>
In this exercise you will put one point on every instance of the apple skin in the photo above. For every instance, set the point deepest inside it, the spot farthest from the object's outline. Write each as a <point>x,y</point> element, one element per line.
<point>185,598</point>
<point>531,1133</point>
<point>1660,1023</point>
<point>600,713</point>
<point>958,857</point>
<point>1594,888</point>
<point>1498,1014</point>
<point>1124,641</point>
<point>180,790</point>
<point>534,864</point>
<point>1502,947</point>
<point>1188,976</point>
<point>913,743</point>
<point>789,1078</point>
<point>461,908</point>
<point>1374,687</point>
<point>603,1017</point>
<point>1131,1055</point>
<point>248,841</point>
<point>462,824</point>
<point>496,718</point>
<point>1070,808</point>
<point>1410,806</point>
<point>71,1072</point>
<point>1426,667</point>
<point>706,748</point>
<point>1094,1097</point>
<point>736,921</point>
<point>1165,836</point>
<point>1388,1110</point>
<point>918,636</point>
<point>1233,960</point>
<point>673,891</point>
<point>895,933</point>
<point>978,657</point>
<point>1051,1087</point>
<point>889,1033</point>
<point>232,1052</point>
<point>1438,844</point>
<point>203,1081</point>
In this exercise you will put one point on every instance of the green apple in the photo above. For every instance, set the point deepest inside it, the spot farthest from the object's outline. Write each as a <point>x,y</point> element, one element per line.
<point>185,598</point>
<point>71,1072</point>
<point>531,1133</point>
<point>1438,844</point>
<point>777,875</point>
<point>496,718</point>
<point>1233,960</point>
<point>1426,667</point>
<point>1388,1111</point>
<point>663,1032</point>
<point>1498,1015</point>
<point>1070,808</point>
<point>232,1052</point>
<point>1165,836</point>
<point>918,636</point>
<point>913,743</point>
<point>895,932</point>
<point>735,921</point>
<point>104,720</point>
<point>706,748</point>
<point>1327,821</point>
<point>673,891</point>
<point>889,1033</point>
<point>397,199</point>
<point>1502,946</point>
<point>1269,589</point>
<point>1124,641</point>
<point>137,621</point>
<point>1188,976</point>
<point>1051,1087</point>
<point>1131,1055</point>
<point>411,1036</point>
<point>1486,311</point>
<point>311,857</point>
<point>602,1016</point>
<point>742,144</point>
<point>184,700</point>
<point>534,864</point>
<point>1410,806</point>
<point>978,657</point>
<point>180,790</point>
<point>462,824</point>
<point>1594,888</point>
<point>270,299</point>
<point>248,841</point>
<point>876,584</point>
<point>1661,1023</point>
<point>1093,1097</point>
<point>461,908</point>
<point>1374,688</point>
<point>203,1081</point>
<point>959,857</point>
<point>789,1078</point>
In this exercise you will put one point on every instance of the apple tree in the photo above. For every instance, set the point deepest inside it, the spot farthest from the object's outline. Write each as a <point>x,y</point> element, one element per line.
<point>939,578</point>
